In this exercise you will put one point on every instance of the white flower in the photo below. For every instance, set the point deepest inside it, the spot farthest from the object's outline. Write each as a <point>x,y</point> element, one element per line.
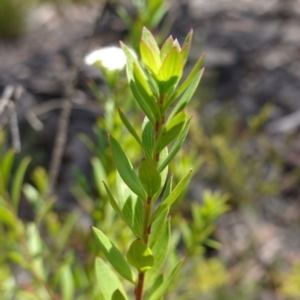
<point>111,58</point>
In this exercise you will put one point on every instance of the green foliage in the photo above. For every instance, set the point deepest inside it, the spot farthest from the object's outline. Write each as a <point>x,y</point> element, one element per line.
<point>290,283</point>
<point>149,13</point>
<point>12,17</point>
<point>153,82</point>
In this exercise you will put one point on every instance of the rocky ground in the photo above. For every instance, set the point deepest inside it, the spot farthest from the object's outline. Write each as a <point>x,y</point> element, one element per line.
<point>252,57</point>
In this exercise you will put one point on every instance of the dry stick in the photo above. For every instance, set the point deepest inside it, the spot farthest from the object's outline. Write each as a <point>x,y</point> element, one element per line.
<point>41,109</point>
<point>4,101</point>
<point>14,127</point>
<point>61,135</point>
<point>11,117</point>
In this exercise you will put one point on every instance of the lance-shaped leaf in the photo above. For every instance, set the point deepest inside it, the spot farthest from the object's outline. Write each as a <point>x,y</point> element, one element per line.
<point>140,256</point>
<point>168,188</point>
<point>131,207</point>
<point>131,59</point>
<point>149,177</point>
<point>99,174</point>
<point>141,102</point>
<point>7,217</point>
<point>176,146</point>
<point>145,91</point>
<point>187,96</point>
<point>186,47</point>
<point>17,182</point>
<point>117,295</point>
<point>172,197</point>
<point>171,66</point>
<point>171,131</point>
<point>107,281</point>
<point>35,248</point>
<point>188,80</point>
<point>160,252</point>
<point>148,58</point>
<point>148,139</point>
<point>166,47</point>
<point>162,289</point>
<point>113,202</point>
<point>157,283</point>
<point>113,255</point>
<point>157,228</point>
<point>149,51</point>
<point>67,284</point>
<point>125,169</point>
<point>129,126</point>
<point>5,168</point>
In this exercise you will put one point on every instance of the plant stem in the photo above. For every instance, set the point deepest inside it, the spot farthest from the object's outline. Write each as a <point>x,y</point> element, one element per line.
<point>140,286</point>
<point>146,232</point>
<point>149,204</point>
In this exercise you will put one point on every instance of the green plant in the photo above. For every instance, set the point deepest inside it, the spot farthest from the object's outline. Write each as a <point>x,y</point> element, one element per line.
<point>144,198</point>
<point>149,13</point>
<point>13,17</point>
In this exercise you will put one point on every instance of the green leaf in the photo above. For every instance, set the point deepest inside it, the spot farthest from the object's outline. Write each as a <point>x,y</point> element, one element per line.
<point>168,188</point>
<point>140,77</point>
<point>149,177</point>
<point>163,173</point>
<point>157,228</point>
<point>99,174</point>
<point>17,182</point>
<point>130,61</point>
<point>129,126</point>
<point>107,281</point>
<point>160,252</point>
<point>162,289</point>
<point>131,207</point>
<point>172,197</point>
<point>156,13</point>
<point>145,91</point>
<point>157,283</point>
<point>114,256</point>
<point>67,284</point>
<point>40,179</point>
<point>27,295</point>
<point>117,295</point>
<point>166,48</point>
<point>66,230</point>
<point>113,202</point>
<point>35,248</point>
<point>148,139</point>
<point>5,167</point>
<point>179,141</point>
<point>186,47</point>
<point>125,169</point>
<point>19,259</point>
<point>171,66</point>
<point>148,58</point>
<point>140,256</point>
<point>149,51</point>
<point>188,80</point>
<point>141,102</point>
<point>171,131</point>
<point>149,39</point>
<point>7,217</point>
<point>187,96</point>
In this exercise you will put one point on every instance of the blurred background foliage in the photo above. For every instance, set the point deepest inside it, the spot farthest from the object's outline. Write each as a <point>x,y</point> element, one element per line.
<point>48,253</point>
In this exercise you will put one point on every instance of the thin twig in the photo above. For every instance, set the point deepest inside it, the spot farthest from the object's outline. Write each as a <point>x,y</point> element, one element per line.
<point>33,114</point>
<point>14,127</point>
<point>4,102</point>
<point>7,104</point>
